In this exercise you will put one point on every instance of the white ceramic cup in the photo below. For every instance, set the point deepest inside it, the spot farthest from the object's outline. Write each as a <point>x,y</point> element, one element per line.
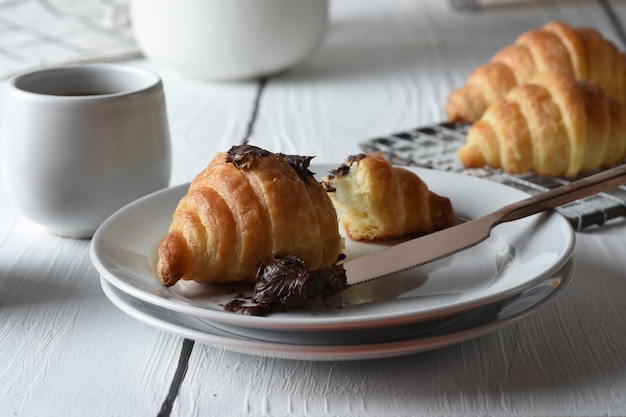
<point>80,141</point>
<point>228,39</point>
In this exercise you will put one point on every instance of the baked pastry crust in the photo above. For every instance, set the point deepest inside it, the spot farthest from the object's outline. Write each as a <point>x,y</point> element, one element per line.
<point>245,208</point>
<point>552,125</point>
<point>582,53</point>
<point>379,201</point>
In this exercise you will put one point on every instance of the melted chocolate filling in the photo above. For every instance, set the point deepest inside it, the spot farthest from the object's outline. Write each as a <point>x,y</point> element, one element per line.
<point>300,164</point>
<point>356,158</point>
<point>288,282</point>
<point>343,169</point>
<point>243,156</point>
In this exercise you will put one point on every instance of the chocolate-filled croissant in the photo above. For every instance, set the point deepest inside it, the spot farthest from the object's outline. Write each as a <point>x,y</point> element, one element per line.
<point>583,53</point>
<point>553,125</point>
<point>379,201</point>
<point>248,206</point>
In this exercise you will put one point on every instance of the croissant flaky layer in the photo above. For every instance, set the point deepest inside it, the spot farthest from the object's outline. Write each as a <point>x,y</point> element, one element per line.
<point>379,201</point>
<point>552,125</point>
<point>582,53</point>
<point>245,208</point>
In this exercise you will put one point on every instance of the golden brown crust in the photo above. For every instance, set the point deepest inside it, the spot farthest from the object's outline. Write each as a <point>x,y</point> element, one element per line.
<point>574,43</point>
<point>516,59</point>
<point>485,85</point>
<point>174,257</point>
<point>547,51</point>
<point>555,47</point>
<point>232,219</point>
<point>552,125</point>
<point>616,148</point>
<point>378,201</point>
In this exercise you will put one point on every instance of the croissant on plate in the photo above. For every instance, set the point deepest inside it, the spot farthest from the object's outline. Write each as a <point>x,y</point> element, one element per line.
<point>247,207</point>
<point>582,53</point>
<point>379,201</point>
<point>552,125</point>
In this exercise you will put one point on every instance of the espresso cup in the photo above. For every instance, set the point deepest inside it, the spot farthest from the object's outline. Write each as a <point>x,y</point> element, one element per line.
<point>80,141</point>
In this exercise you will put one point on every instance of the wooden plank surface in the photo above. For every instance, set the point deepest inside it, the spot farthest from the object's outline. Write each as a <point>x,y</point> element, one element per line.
<point>385,66</point>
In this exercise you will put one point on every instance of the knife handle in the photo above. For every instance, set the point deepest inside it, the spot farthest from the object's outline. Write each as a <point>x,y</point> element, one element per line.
<point>564,194</point>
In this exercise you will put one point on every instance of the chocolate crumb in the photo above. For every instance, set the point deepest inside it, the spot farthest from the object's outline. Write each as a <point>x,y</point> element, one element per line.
<point>239,306</point>
<point>328,187</point>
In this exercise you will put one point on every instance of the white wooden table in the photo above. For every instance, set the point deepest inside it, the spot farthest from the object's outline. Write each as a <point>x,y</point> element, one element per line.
<point>65,350</point>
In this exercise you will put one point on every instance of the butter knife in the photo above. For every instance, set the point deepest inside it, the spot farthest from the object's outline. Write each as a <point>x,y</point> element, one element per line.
<point>434,246</point>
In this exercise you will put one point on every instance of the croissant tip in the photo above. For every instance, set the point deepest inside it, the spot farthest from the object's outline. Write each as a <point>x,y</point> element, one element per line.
<point>171,268</point>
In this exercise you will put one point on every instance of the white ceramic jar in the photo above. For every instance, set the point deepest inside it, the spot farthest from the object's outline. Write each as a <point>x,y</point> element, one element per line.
<point>228,39</point>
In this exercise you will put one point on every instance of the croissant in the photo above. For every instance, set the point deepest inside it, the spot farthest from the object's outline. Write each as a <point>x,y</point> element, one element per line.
<point>580,52</point>
<point>553,125</point>
<point>247,207</point>
<point>379,201</point>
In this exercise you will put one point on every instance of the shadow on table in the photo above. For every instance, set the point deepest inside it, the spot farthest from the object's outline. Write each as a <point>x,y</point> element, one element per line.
<point>18,292</point>
<point>571,344</point>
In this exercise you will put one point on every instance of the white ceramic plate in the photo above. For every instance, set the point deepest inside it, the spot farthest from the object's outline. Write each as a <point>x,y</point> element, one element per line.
<point>516,257</point>
<point>476,323</point>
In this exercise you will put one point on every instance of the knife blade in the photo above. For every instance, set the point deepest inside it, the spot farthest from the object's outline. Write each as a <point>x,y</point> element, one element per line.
<point>429,248</point>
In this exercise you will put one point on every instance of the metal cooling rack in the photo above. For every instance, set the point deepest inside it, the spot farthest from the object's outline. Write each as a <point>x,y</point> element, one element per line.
<point>435,147</point>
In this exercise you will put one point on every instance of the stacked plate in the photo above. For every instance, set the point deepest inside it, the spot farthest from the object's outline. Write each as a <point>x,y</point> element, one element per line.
<point>522,267</point>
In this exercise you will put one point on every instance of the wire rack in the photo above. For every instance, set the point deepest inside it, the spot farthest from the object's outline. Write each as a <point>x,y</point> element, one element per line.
<point>435,147</point>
